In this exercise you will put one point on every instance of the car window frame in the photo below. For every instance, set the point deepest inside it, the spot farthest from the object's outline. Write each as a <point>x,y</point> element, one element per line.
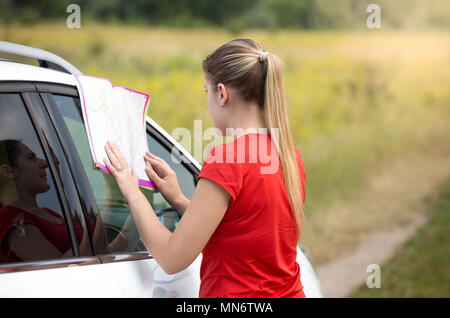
<point>23,88</point>
<point>66,139</point>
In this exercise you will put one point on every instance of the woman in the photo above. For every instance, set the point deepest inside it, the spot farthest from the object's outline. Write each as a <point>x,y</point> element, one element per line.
<point>29,232</point>
<point>246,223</point>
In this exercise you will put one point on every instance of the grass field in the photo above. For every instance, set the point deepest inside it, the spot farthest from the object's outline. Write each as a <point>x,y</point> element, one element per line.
<point>358,101</point>
<point>421,268</point>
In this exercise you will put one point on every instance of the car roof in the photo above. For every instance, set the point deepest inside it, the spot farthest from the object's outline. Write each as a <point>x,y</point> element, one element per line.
<point>13,71</point>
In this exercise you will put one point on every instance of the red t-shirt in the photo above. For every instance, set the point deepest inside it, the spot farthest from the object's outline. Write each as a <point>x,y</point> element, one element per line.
<point>253,251</point>
<point>56,234</point>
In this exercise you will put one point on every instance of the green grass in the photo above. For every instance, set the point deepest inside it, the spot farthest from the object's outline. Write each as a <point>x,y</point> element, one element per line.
<point>421,268</point>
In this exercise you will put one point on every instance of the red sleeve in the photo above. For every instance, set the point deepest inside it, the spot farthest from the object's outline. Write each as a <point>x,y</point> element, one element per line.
<point>226,173</point>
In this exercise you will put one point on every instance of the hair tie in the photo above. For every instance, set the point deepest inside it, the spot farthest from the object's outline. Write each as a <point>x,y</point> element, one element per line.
<point>263,56</point>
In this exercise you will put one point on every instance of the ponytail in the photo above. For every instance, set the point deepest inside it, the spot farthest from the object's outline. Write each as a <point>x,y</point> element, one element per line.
<point>257,75</point>
<point>276,118</point>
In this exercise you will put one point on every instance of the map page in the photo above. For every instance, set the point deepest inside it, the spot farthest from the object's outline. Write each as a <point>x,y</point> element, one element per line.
<point>117,114</point>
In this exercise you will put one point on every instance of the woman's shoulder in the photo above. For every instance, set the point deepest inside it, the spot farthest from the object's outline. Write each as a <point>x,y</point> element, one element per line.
<point>8,211</point>
<point>221,153</point>
<point>53,213</point>
<point>12,214</point>
<point>240,150</point>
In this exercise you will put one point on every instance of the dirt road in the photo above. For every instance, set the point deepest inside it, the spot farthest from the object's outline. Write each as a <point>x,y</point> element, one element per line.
<point>340,277</point>
<point>404,189</point>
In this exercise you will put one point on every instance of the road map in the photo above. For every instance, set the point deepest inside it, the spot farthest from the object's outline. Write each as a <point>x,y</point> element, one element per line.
<point>117,114</point>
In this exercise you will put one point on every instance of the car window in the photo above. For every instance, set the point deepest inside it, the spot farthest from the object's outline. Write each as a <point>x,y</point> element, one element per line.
<point>168,216</point>
<point>115,214</point>
<point>185,177</point>
<point>32,222</point>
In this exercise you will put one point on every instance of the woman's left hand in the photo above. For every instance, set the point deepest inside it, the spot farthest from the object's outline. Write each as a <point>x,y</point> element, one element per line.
<point>127,182</point>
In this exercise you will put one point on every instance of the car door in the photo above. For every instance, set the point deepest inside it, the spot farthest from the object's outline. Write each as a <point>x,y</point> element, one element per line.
<point>126,259</point>
<point>45,119</point>
<point>42,222</point>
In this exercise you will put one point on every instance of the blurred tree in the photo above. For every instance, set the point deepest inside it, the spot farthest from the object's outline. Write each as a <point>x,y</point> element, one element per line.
<point>293,13</point>
<point>239,14</point>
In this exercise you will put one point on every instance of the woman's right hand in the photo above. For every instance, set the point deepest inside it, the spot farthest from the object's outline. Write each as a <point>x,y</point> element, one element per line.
<point>165,180</point>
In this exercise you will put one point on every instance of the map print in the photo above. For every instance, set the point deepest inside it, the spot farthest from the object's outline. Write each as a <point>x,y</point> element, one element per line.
<point>117,114</point>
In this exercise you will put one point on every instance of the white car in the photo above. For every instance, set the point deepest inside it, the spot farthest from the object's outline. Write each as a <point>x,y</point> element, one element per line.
<point>40,112</point>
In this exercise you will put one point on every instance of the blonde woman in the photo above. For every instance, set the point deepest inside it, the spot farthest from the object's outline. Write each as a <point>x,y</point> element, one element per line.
<point>245,220</point>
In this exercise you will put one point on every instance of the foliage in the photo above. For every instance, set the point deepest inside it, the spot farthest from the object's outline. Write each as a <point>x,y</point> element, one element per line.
<point>237,15</point>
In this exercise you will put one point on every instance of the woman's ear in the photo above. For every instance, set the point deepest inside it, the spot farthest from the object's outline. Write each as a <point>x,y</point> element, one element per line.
<point>223,94</point>
<point>6,171</point>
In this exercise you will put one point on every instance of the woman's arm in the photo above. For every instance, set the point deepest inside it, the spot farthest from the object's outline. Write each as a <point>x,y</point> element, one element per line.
<point>166,181</point>
<point>180,204</point>
<point>173,251</point>
<point>29,244</point>
<point>176,251</point>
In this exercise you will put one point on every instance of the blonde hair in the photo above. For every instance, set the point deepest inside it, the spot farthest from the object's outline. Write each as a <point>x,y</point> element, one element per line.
<point>241,64</point>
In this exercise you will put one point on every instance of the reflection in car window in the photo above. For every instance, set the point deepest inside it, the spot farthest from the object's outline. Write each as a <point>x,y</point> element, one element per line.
<point>65,176</point>
<point>115,213</point>
<point>32,225</point>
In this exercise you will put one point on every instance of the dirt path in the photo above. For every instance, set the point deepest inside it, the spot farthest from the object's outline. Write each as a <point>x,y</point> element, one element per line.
<point>340,277</point>
<point>405,187</point>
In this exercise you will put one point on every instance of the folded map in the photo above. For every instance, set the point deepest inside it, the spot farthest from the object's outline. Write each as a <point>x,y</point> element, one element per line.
<point>117,114</point>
